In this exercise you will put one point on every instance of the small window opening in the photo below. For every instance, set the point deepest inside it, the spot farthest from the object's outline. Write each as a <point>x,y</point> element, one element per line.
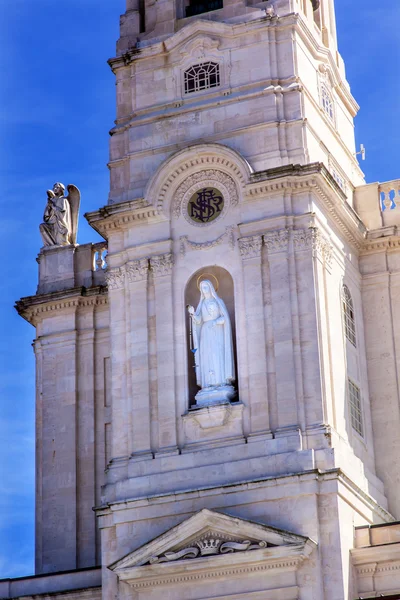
<point>197,7</point>
<point>355,408</point>
<point>348,316</point>
<point>202,77</point>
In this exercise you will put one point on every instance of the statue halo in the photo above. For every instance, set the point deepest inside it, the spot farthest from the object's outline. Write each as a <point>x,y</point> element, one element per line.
<point>204,276</point>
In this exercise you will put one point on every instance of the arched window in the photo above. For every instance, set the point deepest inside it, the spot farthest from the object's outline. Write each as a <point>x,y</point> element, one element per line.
<point>202,77</point>
<point>348,315</point>
<point>327,102</point>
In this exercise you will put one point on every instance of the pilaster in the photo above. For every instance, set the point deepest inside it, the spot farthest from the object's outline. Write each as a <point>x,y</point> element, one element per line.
<point>250,250</point>
<point>138,353</point>
<point>119,437</point>
<point>161,267</point>
<point>58,458</point>
<point>277,245</point>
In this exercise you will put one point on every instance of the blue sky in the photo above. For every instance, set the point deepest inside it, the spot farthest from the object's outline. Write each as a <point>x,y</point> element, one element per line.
<point>57,106</point>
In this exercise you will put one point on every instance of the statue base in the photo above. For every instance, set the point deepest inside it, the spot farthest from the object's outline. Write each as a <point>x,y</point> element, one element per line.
<point>215,395</point>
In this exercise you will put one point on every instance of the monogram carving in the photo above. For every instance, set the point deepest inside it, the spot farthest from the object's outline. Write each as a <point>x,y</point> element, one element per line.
<point>250,247</point>
<point>115,278</point>
<point>228,234</point>
<point>136,270</point>
<point>209,178</point>
<point>276,241</point>
<point>162,264</point>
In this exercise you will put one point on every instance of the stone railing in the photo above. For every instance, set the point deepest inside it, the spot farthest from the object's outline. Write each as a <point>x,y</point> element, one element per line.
<point>389,194</point>
<point>99,253</point>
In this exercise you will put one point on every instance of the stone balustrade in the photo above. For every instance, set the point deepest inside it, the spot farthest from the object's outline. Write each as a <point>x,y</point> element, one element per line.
<point>66,267</point>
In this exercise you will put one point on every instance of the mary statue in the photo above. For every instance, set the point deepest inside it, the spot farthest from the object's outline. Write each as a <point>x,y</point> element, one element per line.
<point>212,347</point>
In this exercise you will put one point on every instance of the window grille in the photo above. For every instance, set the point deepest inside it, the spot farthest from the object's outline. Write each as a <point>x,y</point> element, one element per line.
<point>355,408</point>
<point>202,77</point>
<point>348,315</point>
<point>327,102</point>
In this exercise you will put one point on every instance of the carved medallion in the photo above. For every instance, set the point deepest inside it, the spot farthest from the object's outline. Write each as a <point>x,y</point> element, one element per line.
<point>205,196</point>
<point>205,205</point>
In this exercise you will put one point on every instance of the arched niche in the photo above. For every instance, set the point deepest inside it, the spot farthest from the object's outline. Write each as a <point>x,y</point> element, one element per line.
<point>192,296</point>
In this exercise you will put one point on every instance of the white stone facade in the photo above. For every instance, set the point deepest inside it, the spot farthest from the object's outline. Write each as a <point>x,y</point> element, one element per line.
<point>269,495</point>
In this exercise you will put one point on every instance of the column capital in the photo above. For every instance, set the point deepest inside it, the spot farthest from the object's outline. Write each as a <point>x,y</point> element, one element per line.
<point>115,278</point>
<point>162,264</point>
<point>250,247</point>
<point>137,270</point>
<point>277,240</point>
<point>312,238</point>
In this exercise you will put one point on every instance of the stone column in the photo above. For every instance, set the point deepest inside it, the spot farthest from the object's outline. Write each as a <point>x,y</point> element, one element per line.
<point>162,271</point>
<point>277,243</point>
<point>119,407</point>
<point>250,250</point>
<point>138,364</point>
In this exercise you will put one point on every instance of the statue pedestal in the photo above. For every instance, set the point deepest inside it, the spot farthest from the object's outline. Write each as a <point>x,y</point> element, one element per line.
<point>215,395</point>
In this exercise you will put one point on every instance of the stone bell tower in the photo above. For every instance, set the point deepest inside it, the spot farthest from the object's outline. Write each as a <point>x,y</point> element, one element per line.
<point>228,449</point>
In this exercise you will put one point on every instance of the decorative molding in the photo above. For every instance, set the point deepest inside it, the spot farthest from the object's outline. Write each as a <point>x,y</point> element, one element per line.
<point>32,307</point>
<point>228,234</point>
<point>136,270</point>
<point>207,545</point>
<point>199,48</point>
<point>206,178</point>
<point>276,241</point>
<point>250,247</point>
<point>115,278</point>
<point>162,264</point>
<point>225,571</point>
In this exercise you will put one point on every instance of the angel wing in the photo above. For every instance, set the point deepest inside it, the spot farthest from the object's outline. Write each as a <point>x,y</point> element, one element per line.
<point>74,199</point>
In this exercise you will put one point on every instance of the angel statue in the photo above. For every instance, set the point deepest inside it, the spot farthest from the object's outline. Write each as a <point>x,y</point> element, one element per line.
<point>211,336</point>
<point>60,217</point>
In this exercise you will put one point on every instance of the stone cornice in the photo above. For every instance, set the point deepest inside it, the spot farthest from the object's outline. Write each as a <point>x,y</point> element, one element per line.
<point>122,215</point>
<point>32,308</point>
<point>259,561</point>
<point>313,177</point>
<point>198,26</point>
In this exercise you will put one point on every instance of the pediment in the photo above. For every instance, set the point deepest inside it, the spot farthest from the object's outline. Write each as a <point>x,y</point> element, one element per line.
<point>208,540</point>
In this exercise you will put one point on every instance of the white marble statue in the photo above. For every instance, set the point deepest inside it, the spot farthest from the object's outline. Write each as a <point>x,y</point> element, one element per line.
<point>60,216</point>
<point>212,347</point>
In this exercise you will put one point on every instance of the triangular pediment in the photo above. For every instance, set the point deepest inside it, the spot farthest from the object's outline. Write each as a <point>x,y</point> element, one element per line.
<point>210,535</point>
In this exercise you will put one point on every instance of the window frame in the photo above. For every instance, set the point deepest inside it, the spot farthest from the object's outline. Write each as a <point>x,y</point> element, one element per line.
<point>197,89</point>
<point>348,316</point>
<point>326,93</point>
<point>356,411</point>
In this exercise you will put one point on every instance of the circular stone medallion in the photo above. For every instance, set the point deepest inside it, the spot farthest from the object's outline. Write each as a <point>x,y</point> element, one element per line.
<point>205,205</point>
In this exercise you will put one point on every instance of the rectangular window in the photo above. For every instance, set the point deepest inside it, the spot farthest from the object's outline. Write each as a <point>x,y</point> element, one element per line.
<point>355,408</point>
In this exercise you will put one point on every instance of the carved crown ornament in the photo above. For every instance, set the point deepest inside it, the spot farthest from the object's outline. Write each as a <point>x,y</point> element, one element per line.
<point>210,544</point>
<point>214,544</point>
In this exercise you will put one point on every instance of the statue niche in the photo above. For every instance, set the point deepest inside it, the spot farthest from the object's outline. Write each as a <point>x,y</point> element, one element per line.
<point>211,339</point>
